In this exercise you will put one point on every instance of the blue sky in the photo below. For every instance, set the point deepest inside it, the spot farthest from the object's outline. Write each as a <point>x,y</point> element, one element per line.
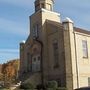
<point>14,21</point>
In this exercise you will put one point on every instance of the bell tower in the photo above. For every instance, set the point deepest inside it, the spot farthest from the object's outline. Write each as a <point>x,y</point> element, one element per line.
<point>46,4</point>
<point>43,11</point>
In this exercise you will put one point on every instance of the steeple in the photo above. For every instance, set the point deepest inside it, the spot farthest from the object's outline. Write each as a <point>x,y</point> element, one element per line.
<point>46,4</point>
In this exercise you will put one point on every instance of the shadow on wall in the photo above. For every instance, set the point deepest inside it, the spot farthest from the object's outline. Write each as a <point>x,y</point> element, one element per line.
<point>83,88</point>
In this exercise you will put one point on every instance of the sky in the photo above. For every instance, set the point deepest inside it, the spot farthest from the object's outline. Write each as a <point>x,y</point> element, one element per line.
<point>14,21</point>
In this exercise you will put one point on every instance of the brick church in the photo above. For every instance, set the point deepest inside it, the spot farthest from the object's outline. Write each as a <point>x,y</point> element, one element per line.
<point>55,50</point>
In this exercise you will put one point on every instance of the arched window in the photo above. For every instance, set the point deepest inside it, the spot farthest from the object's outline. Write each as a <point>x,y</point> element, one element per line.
<point>35,31</point>
<point>29,62</point>
<point>42,5</point>
<point>49,7</point>
<point>55,53</point>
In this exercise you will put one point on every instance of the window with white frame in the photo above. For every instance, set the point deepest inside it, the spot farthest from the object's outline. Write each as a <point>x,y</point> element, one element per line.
<point>85,48</point>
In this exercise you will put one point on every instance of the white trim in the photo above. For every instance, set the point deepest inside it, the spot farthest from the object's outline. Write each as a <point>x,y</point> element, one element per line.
<point>67,19</point>
<point>23,41</point>
<point>80,33</point>
<point>44,10</point>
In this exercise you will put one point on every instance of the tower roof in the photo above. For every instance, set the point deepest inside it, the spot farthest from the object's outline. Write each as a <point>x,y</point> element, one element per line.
<point>46,4</point>
<point>68,20</point>
<point>23,41</point>
<point>44,0</point>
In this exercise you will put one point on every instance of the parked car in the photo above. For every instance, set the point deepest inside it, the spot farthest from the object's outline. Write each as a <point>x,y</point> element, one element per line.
<point>83,88</point>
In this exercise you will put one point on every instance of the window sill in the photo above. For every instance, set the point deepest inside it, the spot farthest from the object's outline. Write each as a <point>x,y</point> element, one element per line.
<point>85,57</point>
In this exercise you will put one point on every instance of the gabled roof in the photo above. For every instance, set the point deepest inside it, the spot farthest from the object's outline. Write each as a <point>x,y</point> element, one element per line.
<point>81,30</point>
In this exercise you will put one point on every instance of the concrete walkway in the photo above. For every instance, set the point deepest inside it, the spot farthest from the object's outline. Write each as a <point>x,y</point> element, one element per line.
<point>15,86</point>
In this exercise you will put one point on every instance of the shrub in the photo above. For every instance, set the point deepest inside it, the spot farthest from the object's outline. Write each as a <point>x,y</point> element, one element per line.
<point>51,89</point>
<point>61,88</point>
<point>27,86</point>
<point>52,84</point>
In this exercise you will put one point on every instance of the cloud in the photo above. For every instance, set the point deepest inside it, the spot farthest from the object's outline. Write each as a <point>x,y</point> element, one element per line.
<point>12,27</point>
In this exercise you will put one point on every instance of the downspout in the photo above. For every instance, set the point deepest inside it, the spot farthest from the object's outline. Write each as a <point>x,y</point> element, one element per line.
<point>76,61</point>
<point>41,61</point>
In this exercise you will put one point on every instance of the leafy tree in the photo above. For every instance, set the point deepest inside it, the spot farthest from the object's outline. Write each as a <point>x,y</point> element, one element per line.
<point>10,71</point>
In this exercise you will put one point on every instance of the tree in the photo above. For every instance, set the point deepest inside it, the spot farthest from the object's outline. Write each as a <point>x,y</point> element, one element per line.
<point>10,71</point>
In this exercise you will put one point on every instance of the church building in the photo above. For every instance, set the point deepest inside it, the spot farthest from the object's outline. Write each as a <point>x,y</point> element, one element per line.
<point>55,50</point>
